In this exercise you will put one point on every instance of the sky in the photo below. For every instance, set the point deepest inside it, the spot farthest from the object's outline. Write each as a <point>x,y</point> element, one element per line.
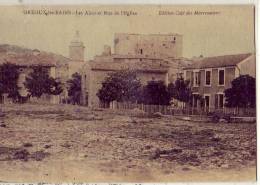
<point>227,30</point>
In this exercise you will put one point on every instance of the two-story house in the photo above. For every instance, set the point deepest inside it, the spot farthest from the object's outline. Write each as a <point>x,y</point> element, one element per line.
<point>210,76</point>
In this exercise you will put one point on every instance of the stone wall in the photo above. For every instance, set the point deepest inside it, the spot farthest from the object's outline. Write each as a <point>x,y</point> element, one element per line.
<point>158,45</point>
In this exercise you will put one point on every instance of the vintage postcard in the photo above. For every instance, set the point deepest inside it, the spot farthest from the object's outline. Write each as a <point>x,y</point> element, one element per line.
<point>127,93</point>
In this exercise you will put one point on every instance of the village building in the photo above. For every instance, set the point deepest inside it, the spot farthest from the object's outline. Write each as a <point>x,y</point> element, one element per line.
<point>58,66</point>
<point>153,56</point>
<point>155,45</point>
<point>210,76</point>
<point>25,60</point>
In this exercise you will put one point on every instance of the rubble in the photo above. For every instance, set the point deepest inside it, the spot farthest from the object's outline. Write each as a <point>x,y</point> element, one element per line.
<point>21,155</point>
<point>27,145</point>
<point>157,115</point>
<point>39,155</point>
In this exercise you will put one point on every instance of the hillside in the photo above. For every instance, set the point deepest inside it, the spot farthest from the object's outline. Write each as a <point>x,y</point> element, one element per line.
<point>29,57</point>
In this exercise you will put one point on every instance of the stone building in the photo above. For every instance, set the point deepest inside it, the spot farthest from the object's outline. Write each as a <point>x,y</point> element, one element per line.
<point>76,54</point>
<point>152,45</point>
<point>154,57</point>
<point>147,69</point>
<point>210,76</point>
<point>58,66</point>
<point>26,59</point>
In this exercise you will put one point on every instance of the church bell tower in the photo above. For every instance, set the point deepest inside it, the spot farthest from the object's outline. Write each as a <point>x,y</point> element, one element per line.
<point>76,49</point>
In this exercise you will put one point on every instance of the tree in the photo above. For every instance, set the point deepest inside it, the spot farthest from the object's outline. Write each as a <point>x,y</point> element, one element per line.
<point>39,82</point>
<point>242,92</point>
<point>8,80</point>
<point>155,93</point>
<point>180,90</point>
<point>1,87</point>
<point>122,85</point>
<point>74,88</point>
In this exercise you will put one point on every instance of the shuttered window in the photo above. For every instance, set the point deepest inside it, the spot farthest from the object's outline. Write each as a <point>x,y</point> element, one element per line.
<point>221,77</point>
<point>207,98</point>
<point>196,79</point>
<point>208,78</point>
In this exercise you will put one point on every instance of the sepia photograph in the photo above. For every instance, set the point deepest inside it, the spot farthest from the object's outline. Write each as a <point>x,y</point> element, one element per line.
<point>127,93</point>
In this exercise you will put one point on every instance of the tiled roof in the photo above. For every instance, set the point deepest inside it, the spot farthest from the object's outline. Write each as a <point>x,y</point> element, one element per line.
<point>218,61</point>
<point>144,65</point>
<point>27,57</point>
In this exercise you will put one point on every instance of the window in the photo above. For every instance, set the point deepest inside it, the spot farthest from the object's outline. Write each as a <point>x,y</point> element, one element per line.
<point>208,77</point>
<point>207,100</point>
<point>219,101</point>
<point>141,51</point>
<point>195,100</point>
<point>196,78</point>
<point>221,76</point>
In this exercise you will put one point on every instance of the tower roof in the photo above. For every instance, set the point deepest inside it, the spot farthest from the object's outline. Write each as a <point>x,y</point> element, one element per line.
<point>76,41</point>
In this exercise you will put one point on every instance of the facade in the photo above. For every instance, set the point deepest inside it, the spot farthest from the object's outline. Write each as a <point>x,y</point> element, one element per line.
<point>76,54</point>
<point>154,57</point>
<point>147,69</point>
<point>156,45</point>
<point>26,60</point>
<point>57,66</point>
<point>209,77</point>
<point>76,49</point>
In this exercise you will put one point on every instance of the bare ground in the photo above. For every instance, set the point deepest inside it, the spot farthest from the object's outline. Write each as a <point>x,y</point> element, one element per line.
<point>60,143</point>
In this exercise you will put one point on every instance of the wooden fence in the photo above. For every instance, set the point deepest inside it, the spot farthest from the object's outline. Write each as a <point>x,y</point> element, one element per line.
<point>170,110</point>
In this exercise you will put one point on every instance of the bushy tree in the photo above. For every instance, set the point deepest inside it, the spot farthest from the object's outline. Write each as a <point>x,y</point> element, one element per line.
<point>39,82</point>
<point>8,80</point>
<point>74,88</point>
<point>122,85</point>
<point>180,90</point>
<point>1,87</point>
<point>242,93</point>
<point>155,93</point>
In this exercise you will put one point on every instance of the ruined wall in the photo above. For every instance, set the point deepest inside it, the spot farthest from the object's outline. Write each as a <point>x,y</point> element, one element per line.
<point>158,45</point>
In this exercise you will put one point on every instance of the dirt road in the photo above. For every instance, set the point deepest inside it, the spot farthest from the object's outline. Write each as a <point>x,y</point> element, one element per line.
<point>58,143</point>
